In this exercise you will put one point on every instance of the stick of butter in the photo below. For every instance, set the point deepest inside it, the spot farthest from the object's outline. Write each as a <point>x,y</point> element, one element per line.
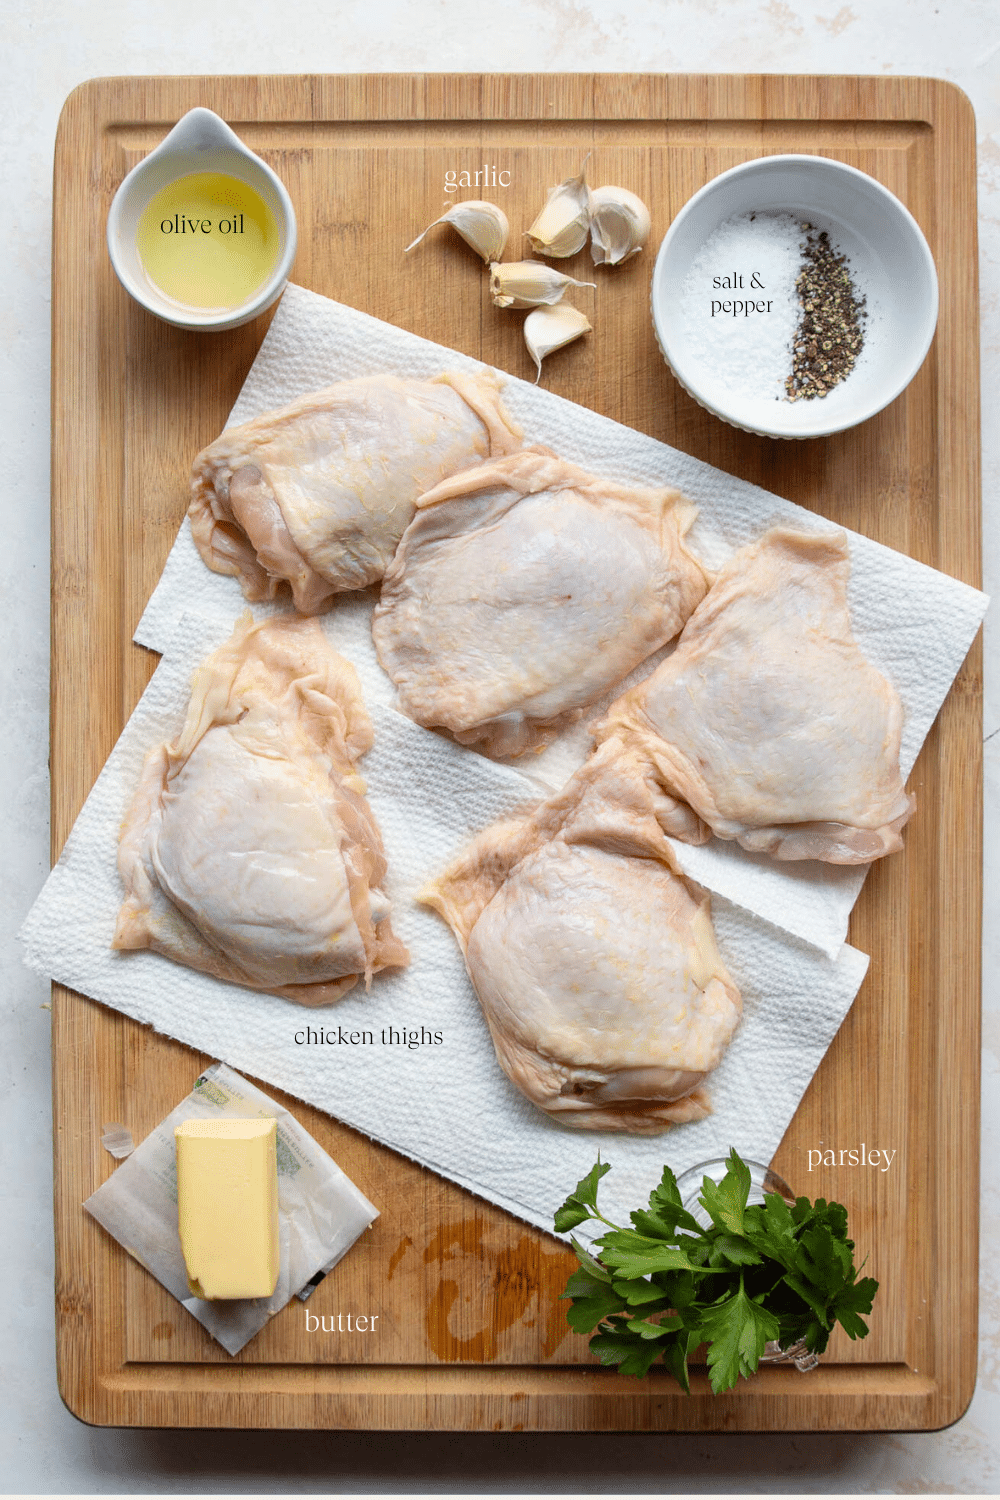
<point>227,1206</point>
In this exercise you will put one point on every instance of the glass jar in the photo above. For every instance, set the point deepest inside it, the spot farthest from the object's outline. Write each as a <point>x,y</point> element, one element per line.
<point>762,1180</point>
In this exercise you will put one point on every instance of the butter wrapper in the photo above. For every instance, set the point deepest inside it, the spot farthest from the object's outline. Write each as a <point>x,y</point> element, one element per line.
<point>320,1211</point>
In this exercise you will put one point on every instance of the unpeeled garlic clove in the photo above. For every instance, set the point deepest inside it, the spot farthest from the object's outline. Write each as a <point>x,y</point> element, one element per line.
<point>619,223</point>
<point>562,227</point>
<point>528,283</point>
<point>481,225</point>
<point>550,328</point>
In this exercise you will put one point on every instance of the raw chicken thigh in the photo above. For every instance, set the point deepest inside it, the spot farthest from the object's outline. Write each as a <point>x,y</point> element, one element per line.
<point>249,851</point>
<point>594,960</point>
<point>767,724</point>
<point>524,590</point>
<point>317,495</point>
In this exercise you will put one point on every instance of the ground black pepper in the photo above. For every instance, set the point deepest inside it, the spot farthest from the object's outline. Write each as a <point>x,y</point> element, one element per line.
<point>829,337</point>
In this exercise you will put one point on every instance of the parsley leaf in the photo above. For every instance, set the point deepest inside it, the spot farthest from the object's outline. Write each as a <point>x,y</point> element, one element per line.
<point>582,1284</point>
<point>657,1226</point>
<point>638,1293</point>
<point>648,1330</point>
<point>824,1259</point>
<point>582,1203</point>
<point>666,1208</point>
<point>810,1297</point>
<point>675,1353</point>
<point>726,1201</point>
<point>736,1331</point>
<point>588,1263</point>
<point>587,1312</point>
<point>732,1249</point>
<point>634,1260</point>
<point>632,1355</point>
<point>852,1301</point>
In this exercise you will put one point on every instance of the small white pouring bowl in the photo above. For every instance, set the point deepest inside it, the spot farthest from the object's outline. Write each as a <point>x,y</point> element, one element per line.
<point>890,263</point>
<point>200,142</point>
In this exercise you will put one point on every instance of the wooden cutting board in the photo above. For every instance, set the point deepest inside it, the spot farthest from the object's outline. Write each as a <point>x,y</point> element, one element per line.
<point>472,1333</point>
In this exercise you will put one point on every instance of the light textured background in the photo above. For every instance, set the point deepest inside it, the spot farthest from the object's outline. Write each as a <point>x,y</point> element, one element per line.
<point>47,51</point>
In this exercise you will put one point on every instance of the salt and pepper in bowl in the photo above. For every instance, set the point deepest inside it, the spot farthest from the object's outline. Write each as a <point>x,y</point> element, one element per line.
<point>794,296</point>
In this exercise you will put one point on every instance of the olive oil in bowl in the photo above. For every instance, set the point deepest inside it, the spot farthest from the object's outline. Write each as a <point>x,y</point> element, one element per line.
<point>207,240</point>
<point>202,232</point>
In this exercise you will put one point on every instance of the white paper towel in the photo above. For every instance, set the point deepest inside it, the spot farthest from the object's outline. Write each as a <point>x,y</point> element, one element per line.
<point>445,1104</point>
<point>915,624</point>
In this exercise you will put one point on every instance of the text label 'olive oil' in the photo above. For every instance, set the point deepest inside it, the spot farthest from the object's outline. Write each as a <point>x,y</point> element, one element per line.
<point>208,240</point>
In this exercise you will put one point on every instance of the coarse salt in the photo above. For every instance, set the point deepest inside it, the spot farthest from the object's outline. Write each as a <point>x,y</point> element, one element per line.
<point>739,304</point>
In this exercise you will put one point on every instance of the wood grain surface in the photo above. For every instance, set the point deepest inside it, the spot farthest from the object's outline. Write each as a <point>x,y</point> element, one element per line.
<point>472,1334</point>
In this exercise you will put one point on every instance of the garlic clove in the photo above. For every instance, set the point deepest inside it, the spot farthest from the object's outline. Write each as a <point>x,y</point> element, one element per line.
<point>528,283</point>
<point>619,223</point>
<point>562,227</point>
<point>550,328</point>
<point>481,225</point>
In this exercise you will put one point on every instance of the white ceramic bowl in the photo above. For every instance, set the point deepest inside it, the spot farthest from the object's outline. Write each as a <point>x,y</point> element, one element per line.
<point>889,261</point>
<point>200,142</point>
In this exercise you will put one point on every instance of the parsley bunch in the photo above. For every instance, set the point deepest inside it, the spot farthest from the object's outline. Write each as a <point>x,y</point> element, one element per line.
<point>666,1286</point>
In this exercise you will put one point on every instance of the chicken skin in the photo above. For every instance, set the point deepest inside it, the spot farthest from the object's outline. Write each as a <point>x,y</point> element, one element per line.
<point>767,724</point>
<point>524,590</point>
<point>249,851</point>
<point>316,496</point>
<point>594,960</point>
